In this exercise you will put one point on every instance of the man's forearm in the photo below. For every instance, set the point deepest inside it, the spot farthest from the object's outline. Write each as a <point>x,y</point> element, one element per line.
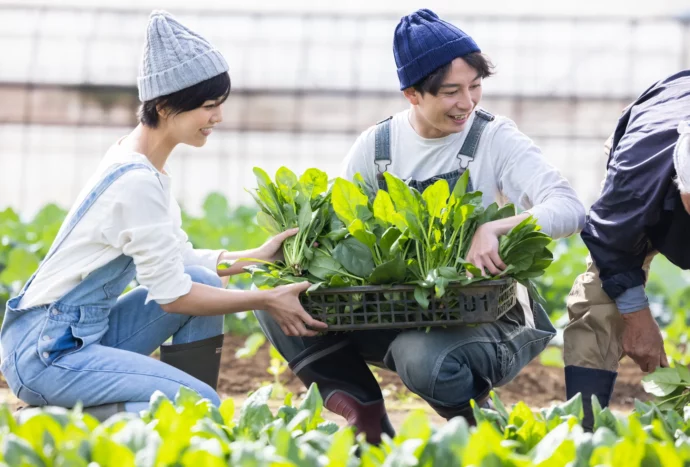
<point>503,226</point>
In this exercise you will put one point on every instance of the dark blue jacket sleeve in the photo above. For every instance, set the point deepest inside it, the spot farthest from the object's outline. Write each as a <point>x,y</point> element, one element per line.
<point>638,177</point>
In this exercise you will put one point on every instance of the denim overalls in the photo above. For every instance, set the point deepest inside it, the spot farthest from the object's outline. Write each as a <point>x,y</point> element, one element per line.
<point>92,344</point>
<point>445,366</point>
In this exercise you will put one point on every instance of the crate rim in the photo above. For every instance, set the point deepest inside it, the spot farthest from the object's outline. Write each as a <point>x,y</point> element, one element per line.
<point>405,287</point>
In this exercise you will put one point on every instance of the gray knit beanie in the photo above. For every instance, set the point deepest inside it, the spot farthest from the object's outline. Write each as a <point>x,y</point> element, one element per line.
<point>175,58</point>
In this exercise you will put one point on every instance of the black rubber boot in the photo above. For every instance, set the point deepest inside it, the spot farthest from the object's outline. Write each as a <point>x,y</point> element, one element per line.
<point>105,411</point>
<point>200,359</point>
<point>346,384</point>
<point>465,410</point>
<point>100,412</point>
<point>589,381</point>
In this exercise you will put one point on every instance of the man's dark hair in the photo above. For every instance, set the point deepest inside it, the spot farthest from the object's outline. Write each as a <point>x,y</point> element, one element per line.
<point>193,97</point>
<point>433,81</point>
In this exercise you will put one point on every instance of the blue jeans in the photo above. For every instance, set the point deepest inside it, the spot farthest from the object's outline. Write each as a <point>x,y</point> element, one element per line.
<point>445,366</point>
<point>46,363</point>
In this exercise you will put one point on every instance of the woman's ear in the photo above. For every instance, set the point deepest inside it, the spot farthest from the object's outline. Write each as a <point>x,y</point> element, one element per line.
<point>162,112</point>
<point>412,95</point>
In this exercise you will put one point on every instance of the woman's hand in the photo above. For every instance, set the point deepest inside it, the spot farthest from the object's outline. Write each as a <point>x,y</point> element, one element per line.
<point>283,305</point>
<point>231,263</point>
<point>272,250</point>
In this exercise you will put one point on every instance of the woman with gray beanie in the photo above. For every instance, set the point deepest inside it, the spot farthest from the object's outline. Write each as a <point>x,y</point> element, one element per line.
<point>71,335</point>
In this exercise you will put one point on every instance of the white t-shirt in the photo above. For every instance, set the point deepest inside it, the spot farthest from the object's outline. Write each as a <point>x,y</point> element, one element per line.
<point>136,216</point>
<point>507,167</point>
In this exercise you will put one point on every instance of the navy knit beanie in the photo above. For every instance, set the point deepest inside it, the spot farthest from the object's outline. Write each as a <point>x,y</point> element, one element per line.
<point>423,42</point>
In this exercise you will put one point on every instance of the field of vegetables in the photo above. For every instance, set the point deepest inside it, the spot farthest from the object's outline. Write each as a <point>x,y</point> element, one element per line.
<point>189,431</point>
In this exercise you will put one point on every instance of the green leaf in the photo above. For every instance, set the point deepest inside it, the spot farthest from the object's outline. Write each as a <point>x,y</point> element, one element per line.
<point>461,214</point>
<point>255,413</point>
<point>683,373</point>
<point>268,223</point>
<point>227,411</point>
<point>401,195</point>
<point>345,198</point>
<point>421,295</point>
<point>324,266</point>
<point>662,382</point>
<point>603,417</point>
<point>339,452</point>
<point>449,273</point>
<point>384,210</point>
<point>364,214</point>
<point>436,198</point>
<point>287,183</point>
<point>440,285</point>
<point>461,185</point>
<point>305,217</point>
<point>186,397</point>
<point>573,407</point>
<point>267,196</point>
<point>262,177</point>
<point>389,239</point>
<point>360,232</point>
<point>415,426</point>
<point>414,225</point>
<point>314,182</point>
<point>390,272</point>
<point>354,256</point>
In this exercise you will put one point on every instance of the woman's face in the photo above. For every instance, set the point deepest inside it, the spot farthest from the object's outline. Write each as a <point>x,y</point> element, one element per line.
<point>194,126</point>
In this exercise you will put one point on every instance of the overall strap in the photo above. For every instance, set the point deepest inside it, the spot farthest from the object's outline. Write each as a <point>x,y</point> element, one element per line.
<point>69,224</point>
<point>469,147</point>
<point>382,150</point>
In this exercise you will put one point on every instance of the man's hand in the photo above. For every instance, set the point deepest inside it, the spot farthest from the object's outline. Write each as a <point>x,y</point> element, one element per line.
<point>484,249</point>
<point>642,340</point>
<point>284,306</point>
<point>272,250</point>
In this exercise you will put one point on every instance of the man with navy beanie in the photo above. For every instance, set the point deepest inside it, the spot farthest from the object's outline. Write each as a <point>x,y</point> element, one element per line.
<point>442,134</point>
<point>423,42</point>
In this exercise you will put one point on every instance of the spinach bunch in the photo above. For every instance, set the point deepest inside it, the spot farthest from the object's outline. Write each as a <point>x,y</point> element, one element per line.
<point>371,244</point>
<point>291,202</point>
<point>398,236</point>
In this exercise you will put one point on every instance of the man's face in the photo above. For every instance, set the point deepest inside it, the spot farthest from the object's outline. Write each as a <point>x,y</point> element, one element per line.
<point>448,111</point>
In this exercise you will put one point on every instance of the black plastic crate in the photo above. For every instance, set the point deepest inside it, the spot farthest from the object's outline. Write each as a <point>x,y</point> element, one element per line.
<point>394,307</point>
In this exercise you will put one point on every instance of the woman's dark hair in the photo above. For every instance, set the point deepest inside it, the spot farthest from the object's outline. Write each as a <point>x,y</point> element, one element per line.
<point>193,97</point>
<point>433,81</point>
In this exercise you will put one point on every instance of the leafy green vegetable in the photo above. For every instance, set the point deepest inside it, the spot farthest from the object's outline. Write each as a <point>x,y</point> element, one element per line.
<point>189,431</point>
<point>291,202</point>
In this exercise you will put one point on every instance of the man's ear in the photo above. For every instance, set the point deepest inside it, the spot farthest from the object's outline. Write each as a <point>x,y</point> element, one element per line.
<point>412,95</point>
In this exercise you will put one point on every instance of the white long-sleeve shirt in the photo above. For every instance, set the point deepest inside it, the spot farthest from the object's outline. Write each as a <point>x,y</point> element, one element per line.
<point>507,167</point>
<point>136,216</point>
